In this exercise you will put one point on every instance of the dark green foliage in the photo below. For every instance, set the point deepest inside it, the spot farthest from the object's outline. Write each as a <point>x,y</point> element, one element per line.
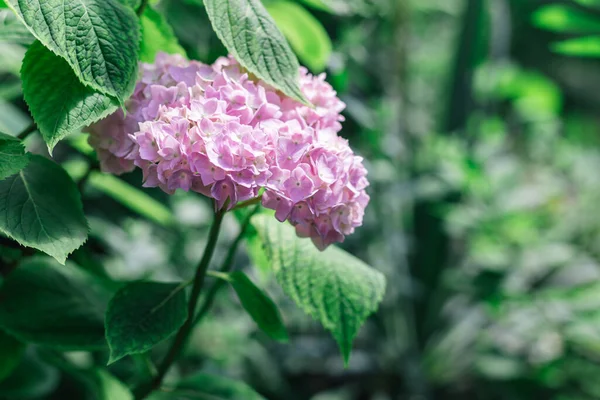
<point>143,314</point>
<point>259,305</point>
<point>204,386</point>
<point>12,156</point>
<point>51,305</point>
<point>12,352</point>
<point>32,379</point>
<point>40,207</point>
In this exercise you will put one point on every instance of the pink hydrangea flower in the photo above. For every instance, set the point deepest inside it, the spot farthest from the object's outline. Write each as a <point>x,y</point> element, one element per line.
<point>214,130</point>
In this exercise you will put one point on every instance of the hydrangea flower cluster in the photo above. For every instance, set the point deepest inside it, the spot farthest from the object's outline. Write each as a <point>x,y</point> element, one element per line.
<point>215,130</point>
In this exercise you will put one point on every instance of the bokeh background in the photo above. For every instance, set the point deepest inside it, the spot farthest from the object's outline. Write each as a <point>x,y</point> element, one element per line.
<point>482,140</point>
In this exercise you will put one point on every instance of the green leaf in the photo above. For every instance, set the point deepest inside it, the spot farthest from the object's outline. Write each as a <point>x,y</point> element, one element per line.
<point>32,379</point>
<point>107,387</point>
<point>89,383</point>
<point>589,3</point>
<point>259,305</point>
<point>565,19</point>
<point>157,36</point>
<point>12,353</point>
<point>133,4</point>
<point>12,156</point>
<point>143,314</point>
<point>204,386</point>
<point>40,207</point>
<point>132,198</point>
<point>12,30</point>
<point>333,286</point>
<point>59,103</point>
<point>48,304</point>
<point>588,46</point>
<point>318,5</point>
<point>305,33</point>
<point>251,36</point>
<point>98,38</point>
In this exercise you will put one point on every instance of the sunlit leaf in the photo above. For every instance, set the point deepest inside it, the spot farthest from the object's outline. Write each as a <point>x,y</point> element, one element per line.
<point>566,19</point>
<point>581,47</point>
<point>333,286</point>
<point>99,39</point>
<point>59,102</point>
<point>157,36</point>
<point>306,35</point>
<point>131,197</point>
<point>252,37</point>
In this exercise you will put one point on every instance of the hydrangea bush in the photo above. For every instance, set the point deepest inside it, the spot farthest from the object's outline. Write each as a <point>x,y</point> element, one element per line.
<point>252,128</point>
<point>217,131</point>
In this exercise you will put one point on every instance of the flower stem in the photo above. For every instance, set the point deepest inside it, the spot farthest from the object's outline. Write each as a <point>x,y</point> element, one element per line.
<point>185,330</point>
<point>247,203</point>
<point>225,267</point>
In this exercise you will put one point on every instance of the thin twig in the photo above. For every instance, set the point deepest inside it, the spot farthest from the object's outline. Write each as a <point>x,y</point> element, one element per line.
<point>27,131</point>
<point>225,267</point>
<point>247,203</point>
<point>183,333</point>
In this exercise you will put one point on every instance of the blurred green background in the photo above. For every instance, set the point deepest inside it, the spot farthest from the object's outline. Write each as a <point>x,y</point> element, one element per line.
<point>480,128</point>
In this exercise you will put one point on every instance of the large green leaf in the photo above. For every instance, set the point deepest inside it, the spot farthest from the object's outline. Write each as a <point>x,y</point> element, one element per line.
<point>40,207</point>
<point>143,314</point>
<point>251,36</point>
<point>12,30</point>
<point>566,19</point>
<point>12,155</point>
<point>210,387</point>
<point>12,352</point>
<point>98,38</point>
<point>59,103</point>
<point>259,305</point>
<point>333,286</point>
<point>48,304</point>
<point>305,33</point>
<point>157,36</point>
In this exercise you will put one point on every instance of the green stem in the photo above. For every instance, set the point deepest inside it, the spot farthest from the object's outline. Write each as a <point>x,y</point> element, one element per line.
<point>247,203</point>
<point>142,7</point>
<point>27,131</point>
<point>183,333</point>
<point>225,267</point>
